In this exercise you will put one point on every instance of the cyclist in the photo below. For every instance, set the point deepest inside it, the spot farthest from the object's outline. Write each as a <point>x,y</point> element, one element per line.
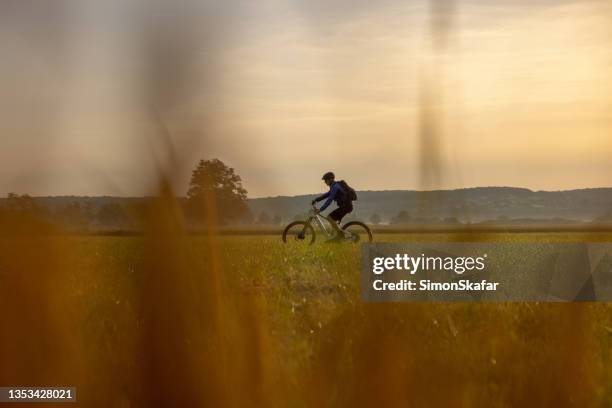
<point>341,196</point>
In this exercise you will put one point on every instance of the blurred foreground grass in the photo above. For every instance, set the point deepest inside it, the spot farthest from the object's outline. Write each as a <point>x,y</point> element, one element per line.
<point>305,336</point>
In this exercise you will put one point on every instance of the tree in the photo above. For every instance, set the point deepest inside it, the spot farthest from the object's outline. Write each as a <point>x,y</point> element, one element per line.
<point>247,218</point>
<point>23,214</point>
<point>451,220</point>
<point>23,204</point>
<point>277,220</point>
<point>215,193</point>
<point>264,218</point>
<point>403,217</point>
<point>73,214</point>
<point>112,215</point>
<point>375,219</point>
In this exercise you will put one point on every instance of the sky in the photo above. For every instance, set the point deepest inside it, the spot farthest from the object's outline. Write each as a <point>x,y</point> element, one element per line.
<point>99,98</point>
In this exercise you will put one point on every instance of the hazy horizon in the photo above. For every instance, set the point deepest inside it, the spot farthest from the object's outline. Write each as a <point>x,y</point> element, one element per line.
<point>250,197</point>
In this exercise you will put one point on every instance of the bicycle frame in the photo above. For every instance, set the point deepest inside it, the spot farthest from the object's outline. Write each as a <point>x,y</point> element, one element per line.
<point>317,219</point>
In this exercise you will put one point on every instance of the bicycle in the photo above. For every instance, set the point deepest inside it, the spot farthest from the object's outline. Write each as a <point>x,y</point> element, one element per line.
<point>303,231</point>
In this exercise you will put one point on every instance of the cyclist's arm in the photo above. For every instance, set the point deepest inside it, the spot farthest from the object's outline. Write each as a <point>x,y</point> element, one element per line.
<point>330,197</point>
<point>321,197</point>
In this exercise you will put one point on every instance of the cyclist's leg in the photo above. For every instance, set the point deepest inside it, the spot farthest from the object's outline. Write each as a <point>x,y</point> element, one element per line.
<point>333,223</point>
<point>336,216</point>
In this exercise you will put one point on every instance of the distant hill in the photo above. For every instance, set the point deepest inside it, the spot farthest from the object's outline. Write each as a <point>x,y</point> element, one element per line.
<point>466,205</point>
<point>482,204</point>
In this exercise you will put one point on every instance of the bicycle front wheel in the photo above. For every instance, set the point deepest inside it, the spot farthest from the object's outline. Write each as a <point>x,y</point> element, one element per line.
<point>299,232</point>
<point>359,231</point>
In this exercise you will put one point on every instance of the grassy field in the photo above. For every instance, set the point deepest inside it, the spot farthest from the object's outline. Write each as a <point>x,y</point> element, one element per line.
<point>247,320</point>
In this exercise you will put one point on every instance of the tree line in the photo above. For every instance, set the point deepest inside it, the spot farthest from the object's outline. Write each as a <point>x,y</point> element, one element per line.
<point>214,188</point>
<point>215,195</point>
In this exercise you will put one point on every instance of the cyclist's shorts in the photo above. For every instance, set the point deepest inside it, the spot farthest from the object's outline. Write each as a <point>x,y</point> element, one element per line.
<point>340,212</point>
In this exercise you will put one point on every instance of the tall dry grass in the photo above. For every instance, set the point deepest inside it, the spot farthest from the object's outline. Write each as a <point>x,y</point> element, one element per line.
<point>189,336</point>
<point>193,340</point>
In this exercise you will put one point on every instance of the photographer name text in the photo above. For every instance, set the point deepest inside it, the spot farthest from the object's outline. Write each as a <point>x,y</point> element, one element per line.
<point>415,264</point>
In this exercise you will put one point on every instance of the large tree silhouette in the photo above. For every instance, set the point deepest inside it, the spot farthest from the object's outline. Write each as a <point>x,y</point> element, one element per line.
<point>215,194</point>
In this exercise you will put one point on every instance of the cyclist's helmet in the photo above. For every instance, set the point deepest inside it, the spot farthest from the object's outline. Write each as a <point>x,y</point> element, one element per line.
<point>328,176</point>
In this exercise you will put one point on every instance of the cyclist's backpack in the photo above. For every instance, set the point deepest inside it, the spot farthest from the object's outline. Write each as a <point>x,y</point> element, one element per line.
<point>351,194</point>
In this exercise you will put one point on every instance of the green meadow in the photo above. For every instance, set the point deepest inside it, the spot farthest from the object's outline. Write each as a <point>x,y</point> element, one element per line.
<point>293,314</point>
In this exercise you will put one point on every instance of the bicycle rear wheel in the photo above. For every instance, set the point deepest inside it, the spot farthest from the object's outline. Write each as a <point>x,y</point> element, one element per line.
<point>299,232</point>
<point>359,231</point>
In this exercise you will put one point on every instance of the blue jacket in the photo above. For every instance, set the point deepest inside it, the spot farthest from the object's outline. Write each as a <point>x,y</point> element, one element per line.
<point>335,193</point>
